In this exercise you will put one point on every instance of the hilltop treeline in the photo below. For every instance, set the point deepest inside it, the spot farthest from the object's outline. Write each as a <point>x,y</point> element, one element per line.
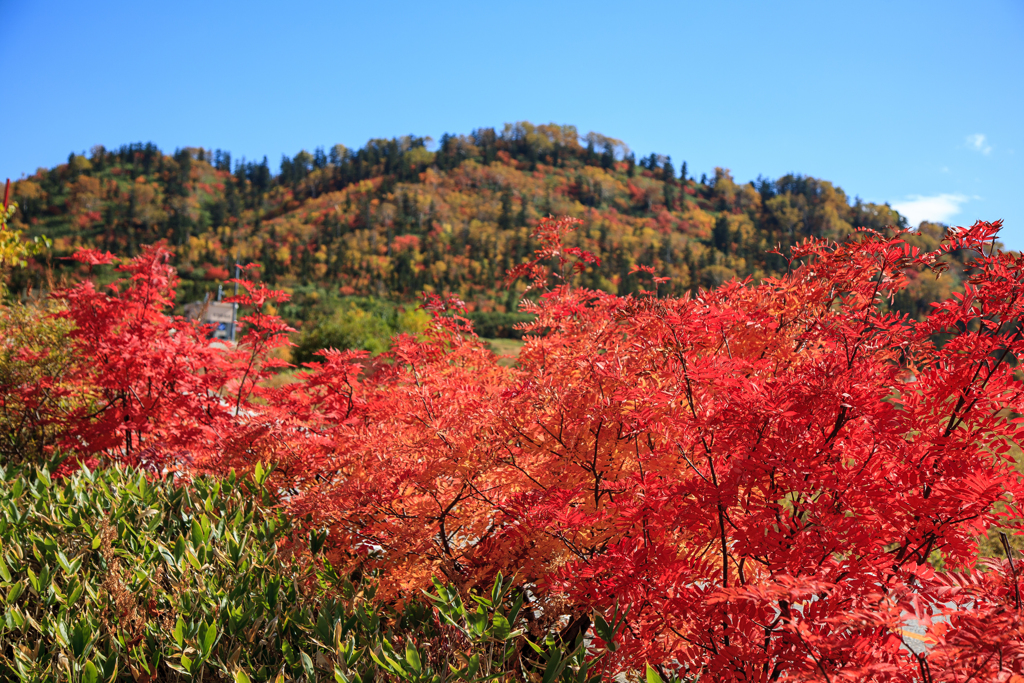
<point>394,218</point>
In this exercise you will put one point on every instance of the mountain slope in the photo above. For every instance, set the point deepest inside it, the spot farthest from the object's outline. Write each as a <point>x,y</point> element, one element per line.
<point>393,218</point>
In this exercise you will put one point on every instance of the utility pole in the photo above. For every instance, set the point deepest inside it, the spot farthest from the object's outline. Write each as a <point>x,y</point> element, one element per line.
<point>234,306</point>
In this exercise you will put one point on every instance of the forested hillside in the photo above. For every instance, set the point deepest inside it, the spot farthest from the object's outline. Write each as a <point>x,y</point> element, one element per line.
<point>393,218</point>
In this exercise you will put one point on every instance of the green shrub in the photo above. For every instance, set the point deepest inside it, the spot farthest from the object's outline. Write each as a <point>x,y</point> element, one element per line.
<point>362,323</point>
<point>351,328</point>
<point>111,575</point>
<point>368,323</point>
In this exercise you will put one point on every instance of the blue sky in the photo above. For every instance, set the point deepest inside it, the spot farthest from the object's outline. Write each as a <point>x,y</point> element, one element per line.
<point>914,103</point>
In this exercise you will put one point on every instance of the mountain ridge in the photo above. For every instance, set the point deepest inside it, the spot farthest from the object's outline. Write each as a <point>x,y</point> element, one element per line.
<point>394,218</point>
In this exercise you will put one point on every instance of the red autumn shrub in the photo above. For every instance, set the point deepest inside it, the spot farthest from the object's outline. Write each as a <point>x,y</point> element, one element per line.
<point>768,476</point>
<point>762,473</point>
<point>145,387</point>
<point>216,272</point>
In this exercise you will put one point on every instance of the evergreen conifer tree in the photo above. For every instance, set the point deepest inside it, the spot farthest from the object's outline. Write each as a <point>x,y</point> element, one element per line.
<point>505,219</point>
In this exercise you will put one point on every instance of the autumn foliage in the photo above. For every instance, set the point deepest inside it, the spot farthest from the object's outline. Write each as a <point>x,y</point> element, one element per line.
<point>771,478</point>
<point>392,219</point>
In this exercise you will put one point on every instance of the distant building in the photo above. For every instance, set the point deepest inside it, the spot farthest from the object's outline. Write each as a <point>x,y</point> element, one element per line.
<point>216,313</point>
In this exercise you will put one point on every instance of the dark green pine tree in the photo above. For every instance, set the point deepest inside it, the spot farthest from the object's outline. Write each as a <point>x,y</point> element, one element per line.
<point>179,186</point>
<point>720,233</point>
<point>668,171</point>
<point>669,192</point>
<point>505,219</point>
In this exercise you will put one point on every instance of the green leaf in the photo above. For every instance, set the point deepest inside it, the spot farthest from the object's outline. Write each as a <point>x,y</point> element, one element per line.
<point>5,573</point>
<point>377,658</point>
<point>33,579</point>
<point>262,473</point>
<point>288,652</point>
<point>76,593</point>
<point>178,633</point>
<point>517,605</point>
<point>601,627</point>
<point>207,636</point>
<point>15,592</point>
<point>81,634</point>
<point>477,621</point>
<point>472,666</point>
<point>62,560</point>
<point>242,677</point>
<point>412,657</point>
<point>317,540</point>
<point>500,627</point>
<point>179,548</point>
<point>90,674</point>
<point>307,665</point>
<point>14,618</point>
<point>193,560</point>
<point>323,628</point>
<point>497,590</point>
<point>653,676</point>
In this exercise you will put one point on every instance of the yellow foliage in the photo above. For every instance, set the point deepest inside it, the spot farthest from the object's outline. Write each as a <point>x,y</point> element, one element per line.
<point>86,194</point>
<point>414,321</point>
<point>697,222</point>
<point>419,155</point>
<point>14,249</point>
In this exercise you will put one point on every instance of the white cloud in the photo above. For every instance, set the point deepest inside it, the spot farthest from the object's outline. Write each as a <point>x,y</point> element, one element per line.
<point>940,207</point>
<point>978,143</point>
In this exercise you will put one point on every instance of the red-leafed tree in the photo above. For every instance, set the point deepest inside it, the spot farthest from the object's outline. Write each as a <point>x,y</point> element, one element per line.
<point>765,474</point>
<point>146,387</point>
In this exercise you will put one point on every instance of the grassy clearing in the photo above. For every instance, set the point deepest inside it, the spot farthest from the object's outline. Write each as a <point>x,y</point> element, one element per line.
<point>505,347</point>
